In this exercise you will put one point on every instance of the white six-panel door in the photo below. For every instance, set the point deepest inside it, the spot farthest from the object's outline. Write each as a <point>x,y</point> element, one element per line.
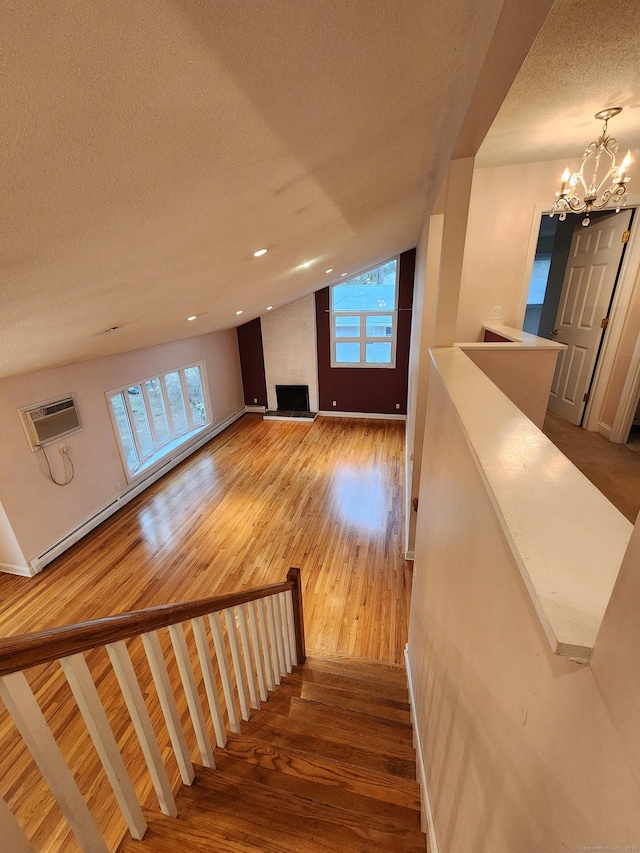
<point>594,259</point>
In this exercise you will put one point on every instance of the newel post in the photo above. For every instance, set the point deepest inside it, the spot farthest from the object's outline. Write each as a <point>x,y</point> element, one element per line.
<point>293,576</point>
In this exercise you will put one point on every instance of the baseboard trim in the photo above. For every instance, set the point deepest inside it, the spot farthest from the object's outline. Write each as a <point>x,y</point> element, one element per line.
<point>409,555</point>
<point>45,557</point>
<point>426,812</point>
<point>605,430</point>
<point>11,569</point>
<point>368,415</point>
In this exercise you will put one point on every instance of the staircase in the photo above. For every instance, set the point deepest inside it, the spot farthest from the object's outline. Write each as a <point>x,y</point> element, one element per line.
<point>202,726</point>
<point>327,764</point>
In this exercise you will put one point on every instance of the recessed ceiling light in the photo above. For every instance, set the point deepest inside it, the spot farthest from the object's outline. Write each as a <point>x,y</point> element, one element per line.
<point>192,318</point>
<point>110,329</point>
<point>238,312</point>
<point>342,275</point>
<point>259,253</point>
<point>328,271</point>
<point>306,264</point>
<point>269,307</point>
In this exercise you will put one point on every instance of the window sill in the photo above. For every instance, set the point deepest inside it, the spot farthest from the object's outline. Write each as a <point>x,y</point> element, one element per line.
<point>159,458</point>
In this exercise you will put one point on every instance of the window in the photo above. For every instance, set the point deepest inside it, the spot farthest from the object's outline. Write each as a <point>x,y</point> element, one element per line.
<point>151,415</point>
<point>363,318</point>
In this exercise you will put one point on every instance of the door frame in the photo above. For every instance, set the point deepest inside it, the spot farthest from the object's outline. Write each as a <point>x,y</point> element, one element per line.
<point>619,308</point>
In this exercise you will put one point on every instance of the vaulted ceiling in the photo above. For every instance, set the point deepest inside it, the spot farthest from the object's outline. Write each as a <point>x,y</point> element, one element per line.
<point>148,149</point>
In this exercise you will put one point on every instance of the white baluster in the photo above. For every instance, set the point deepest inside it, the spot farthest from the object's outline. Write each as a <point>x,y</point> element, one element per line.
<point>237,667</point>
<point>30,722</point>
<point>125,673</point>
<point>158,667</point>
<point>255,641</point>
<point>13,837</point>
<point>279,644</point>
<point>266,653</point>
<point>202,644</point>
<point>282,604</point>
<point>246,653</point>
<point>292,629</point>
<point>273,643</point>
<point>185,669</point>
<point>223,666</point>
<point>84,690</point>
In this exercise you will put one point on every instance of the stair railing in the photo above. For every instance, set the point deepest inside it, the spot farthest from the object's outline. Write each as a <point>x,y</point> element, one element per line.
<point>257,637</point>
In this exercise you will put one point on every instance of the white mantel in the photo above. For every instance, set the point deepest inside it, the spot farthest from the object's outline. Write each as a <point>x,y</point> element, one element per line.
<point>289,345</point>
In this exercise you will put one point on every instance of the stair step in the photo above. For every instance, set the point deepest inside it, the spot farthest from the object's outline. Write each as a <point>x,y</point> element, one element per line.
<point>364,687</point>
<point>364,668</point>
<point>323,726</point>
<point>389,709</point>
<point>302,823</point>
<point>288,733</point>
<point>333,779</point>
<point>385,734</point>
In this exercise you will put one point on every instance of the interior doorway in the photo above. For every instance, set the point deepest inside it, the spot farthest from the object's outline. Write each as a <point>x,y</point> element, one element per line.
<point>571,294</point>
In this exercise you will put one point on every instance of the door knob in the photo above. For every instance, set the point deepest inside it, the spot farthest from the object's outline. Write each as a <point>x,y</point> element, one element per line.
<point>555,332</point>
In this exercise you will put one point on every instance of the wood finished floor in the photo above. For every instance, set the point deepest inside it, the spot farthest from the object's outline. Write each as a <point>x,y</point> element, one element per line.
<point>261,497</point>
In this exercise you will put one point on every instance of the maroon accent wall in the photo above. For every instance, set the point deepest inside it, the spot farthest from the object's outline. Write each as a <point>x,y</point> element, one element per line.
<point>363,389</point>
<point>252,363</point>
<point>494,337</point>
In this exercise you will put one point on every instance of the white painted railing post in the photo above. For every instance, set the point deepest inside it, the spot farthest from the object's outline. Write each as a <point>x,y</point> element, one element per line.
<point>13,838</point>
<point>266,653</point>
<point>279,643</point>
<point>230,619</point>
<point>86,695</point>
<point>134,700</point>
<point>255,641</point>
<point>202,644</point>
<point>185,669</point>
<point>30,722</point>
<point>292,628</point>
<point>273,641</point>
<point>223,666</point>
<point>282,604</point>
<point>246,653</point>
<point>158,667</point>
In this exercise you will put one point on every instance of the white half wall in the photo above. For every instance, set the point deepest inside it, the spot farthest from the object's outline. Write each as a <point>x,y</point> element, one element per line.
<point>289,346</point>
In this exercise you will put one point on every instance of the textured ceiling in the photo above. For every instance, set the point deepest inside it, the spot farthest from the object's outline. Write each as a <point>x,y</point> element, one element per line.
<point>147,149</point>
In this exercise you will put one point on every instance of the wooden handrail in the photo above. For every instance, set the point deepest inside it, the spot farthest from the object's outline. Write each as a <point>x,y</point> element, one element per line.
<point>27,650</point>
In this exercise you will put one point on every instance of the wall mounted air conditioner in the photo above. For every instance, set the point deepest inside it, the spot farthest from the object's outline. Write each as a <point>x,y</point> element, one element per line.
<point>51,420</point>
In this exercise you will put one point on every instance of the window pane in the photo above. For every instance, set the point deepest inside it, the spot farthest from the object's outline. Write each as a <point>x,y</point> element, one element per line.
<point>372,291</point>
<point>140,420</point>
<point>158,411</point>
<point>176,402</point>
<point>379,327</point>
<point>378,352</point>
<point>347,353</point>
<point>196,395</point>
<point>124,430</point>
<point>347,327</point>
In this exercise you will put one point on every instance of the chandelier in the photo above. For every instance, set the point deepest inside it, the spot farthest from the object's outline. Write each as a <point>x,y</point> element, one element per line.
<point>596,194</point>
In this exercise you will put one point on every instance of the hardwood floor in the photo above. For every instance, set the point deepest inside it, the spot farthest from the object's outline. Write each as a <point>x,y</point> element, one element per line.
<point>259,498</point>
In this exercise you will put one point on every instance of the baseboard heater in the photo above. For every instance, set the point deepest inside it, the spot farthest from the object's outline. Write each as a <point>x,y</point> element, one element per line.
<point>38,563</point>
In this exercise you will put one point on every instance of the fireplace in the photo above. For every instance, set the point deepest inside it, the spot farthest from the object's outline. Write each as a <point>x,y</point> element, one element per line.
<point>292,398</point>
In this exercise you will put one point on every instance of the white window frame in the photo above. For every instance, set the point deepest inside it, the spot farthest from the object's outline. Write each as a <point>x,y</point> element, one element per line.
<point>160,449</point>
<point>363,339</point>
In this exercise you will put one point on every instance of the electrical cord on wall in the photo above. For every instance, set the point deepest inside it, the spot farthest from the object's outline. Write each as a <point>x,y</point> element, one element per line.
<point>65,453</point>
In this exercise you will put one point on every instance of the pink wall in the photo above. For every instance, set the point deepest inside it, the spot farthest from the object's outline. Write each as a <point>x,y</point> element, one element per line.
<point>523,750</point>
<point>40,512</point>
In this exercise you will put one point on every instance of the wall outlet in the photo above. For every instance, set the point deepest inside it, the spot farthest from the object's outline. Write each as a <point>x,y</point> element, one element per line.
<point>497,311</point>
<point>64,448</point>
<point>118,487</point>
<point>255,399</point>
<point>334,402</point>
<point>397,405</point>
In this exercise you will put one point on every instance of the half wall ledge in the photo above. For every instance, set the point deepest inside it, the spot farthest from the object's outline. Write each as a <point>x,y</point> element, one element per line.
<point>567,539</point>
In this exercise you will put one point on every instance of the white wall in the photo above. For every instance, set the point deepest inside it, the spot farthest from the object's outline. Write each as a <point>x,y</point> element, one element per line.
<point>289,346</point>
<point>39,512</point>
<point>523,750</point>
<point>501,216</point>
